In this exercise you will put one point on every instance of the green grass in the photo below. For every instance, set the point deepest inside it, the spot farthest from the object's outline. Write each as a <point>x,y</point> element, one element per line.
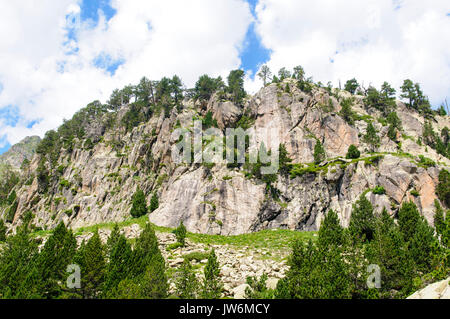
<point>268,239</point>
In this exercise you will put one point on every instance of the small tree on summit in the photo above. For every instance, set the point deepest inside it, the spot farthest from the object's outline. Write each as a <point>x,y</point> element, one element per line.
<point>351,86</point>
<point>265,74</point>
<point>139,207</point>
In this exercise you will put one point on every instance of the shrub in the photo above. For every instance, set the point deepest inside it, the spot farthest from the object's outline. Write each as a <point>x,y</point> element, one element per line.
<point>154,203</point>
<point>139,204</point>
<point>443,188</point>
<point>319,153</point>
<point>180,234</point>
<point>353,152</point>
<point>379,190</point>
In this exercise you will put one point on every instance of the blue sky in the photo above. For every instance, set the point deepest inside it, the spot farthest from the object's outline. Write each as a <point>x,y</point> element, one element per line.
<point>48,71</point>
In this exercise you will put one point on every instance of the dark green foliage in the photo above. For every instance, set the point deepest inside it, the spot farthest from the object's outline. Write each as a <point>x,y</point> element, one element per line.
<point>139,204</point>
<point>236,86</point>
<point>383,100</point>
<point>371,137</point>
<point>9,179</point>
<point>282,289</point>
<point>353,152</point>
<point>258,289</point>
<point>283,74</point>
<point>91,259</point>
<point>317,273</point>
<point>379,190</point>
<point>54,258</point>
<point>441,111</point>
<point>351,86</point>
<point>440,143</point>
<point>119,266</point>
<point>154,202</point>
<point>208,121</point>
<point>319,153</point>
<point>421,245</point>
<point>264,74</point>
<point>331,233</point>
<point>136,115</point>
<point>415,97</point>
<point>395,125</point>
<point>187,286</point>
<point>206,86</point>
<point>153,282</point>
<point>43,178</point>
<point>390,252</point>
<point>2,231</point>
<point>180,234</point>
<point>346,111</point>
<point>11,212</point>
<point>362,220</point>
<point>443,188</point>
<point>439,219</point>
<point>408,219</point>
<point>284,161</point>
<point>19,276</point>
<point>212,285</point>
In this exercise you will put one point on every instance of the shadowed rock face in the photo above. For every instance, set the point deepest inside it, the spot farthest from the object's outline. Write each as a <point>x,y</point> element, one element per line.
<point>220,200</point>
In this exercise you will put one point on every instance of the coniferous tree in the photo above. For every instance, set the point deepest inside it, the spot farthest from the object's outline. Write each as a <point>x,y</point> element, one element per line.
<point>212,285</point>
<point>2,231</point>
<point>408,219</point>
<point>139,204</point>
<point>284,161</point>
<point>93,267</point>
<point>180,234</point>
<point>346,111</point>
<point>264,74</point>
<point>186,283</point>
<point>154,202</point>
<point>236,86</point>
<point>55,256</point>
<point>362,220</point>
<point>119,265</point>
<point>319,153</point>
<point>153,281</point>
<point>18,271</point>
<point>439,220</point>
<point>353,152</point>
<point>351,86</point>
<point>331,233</point>
<point>371,137</point>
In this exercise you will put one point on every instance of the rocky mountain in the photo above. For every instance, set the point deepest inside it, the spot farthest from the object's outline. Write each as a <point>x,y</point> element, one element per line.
<point>25,149</point>
<point>90,177</point>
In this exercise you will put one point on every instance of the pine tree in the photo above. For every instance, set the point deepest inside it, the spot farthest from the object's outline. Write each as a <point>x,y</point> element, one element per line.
<point>284,161</point>
<point>55,256</point>
<point>353,152</point>
<point>154,203</point>
<point>346,111</point>
<point>18,269</point>
<point>331,233</point>
<point>236,86</point>
<point>153,281</point>
<point>145,250</point>
<point>264,74</point>
<point>351,86</point>
<point>319,153</point>
<point>119,264</point>
<point>371,137</point>
<point>212,286</point>
<point>186,283</point>
<point>180,234</point>
<point>439,220</point>
<point>139,204</point>
<point>2,231</point>
<point>390,252</point>
<point>408,219</point>
<point>317,273</point>
<point>362,220</point>
<point>93,267</point>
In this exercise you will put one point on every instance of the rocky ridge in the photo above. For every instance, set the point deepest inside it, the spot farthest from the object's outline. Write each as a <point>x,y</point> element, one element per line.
<point>95,183</point>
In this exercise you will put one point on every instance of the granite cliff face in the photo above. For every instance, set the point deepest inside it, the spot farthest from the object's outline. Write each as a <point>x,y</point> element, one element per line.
<point>94,184</point>
<point>25,149</point>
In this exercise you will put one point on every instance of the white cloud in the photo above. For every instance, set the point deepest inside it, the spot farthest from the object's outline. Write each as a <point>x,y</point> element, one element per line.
<point>375,40</point>
<point>153,38</point>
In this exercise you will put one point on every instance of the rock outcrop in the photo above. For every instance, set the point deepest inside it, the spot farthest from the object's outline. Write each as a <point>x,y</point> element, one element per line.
<point>94,184</point>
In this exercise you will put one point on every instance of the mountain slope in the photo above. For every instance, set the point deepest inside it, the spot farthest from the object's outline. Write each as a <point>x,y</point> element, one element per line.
<point>91,178</point>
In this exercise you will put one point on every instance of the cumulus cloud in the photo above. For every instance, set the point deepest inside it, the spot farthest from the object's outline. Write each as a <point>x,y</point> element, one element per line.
<point>53,64</point>
<point>373,40</point>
